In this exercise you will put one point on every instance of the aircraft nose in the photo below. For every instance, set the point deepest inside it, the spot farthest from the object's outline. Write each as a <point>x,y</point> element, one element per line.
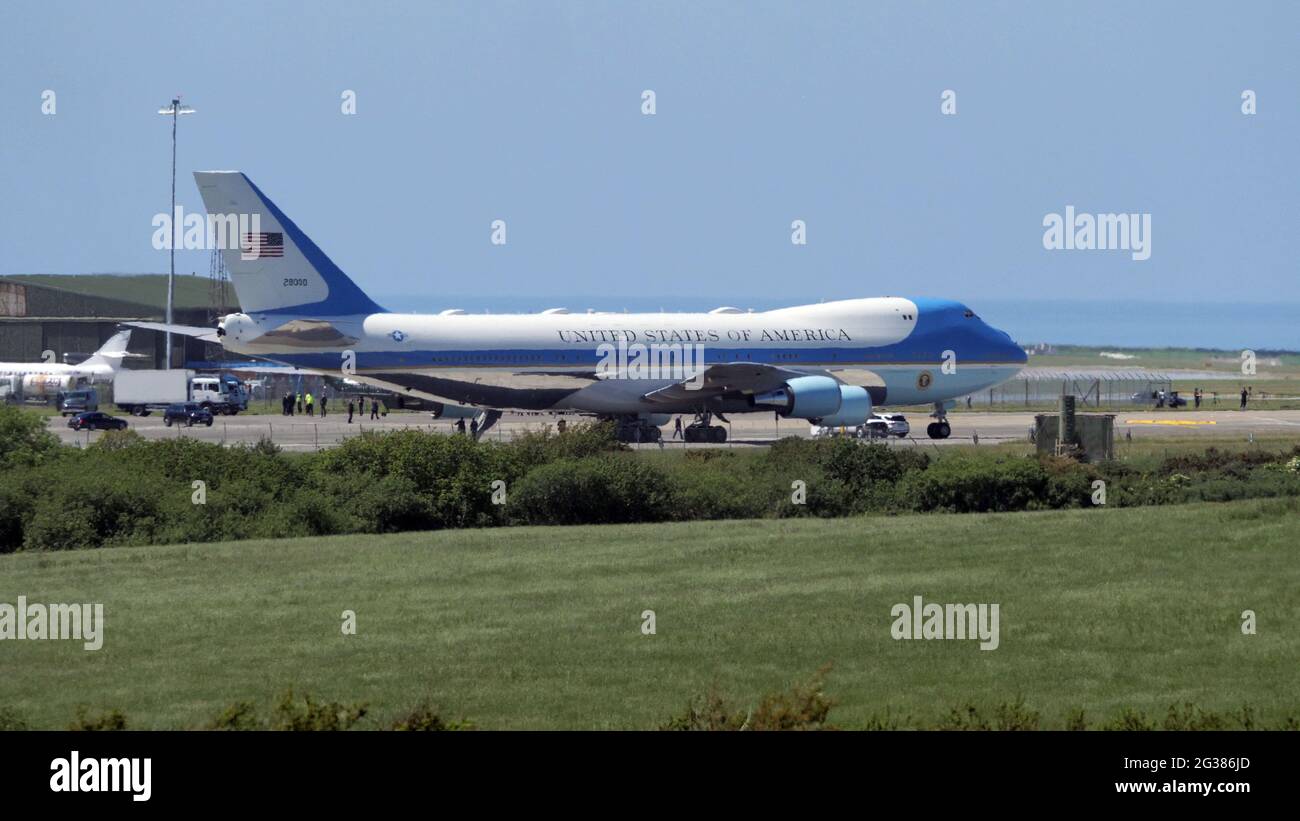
<point>1011,351</point>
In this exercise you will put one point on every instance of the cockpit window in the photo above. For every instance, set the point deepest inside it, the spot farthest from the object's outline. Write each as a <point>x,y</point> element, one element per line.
<point>968,313</point>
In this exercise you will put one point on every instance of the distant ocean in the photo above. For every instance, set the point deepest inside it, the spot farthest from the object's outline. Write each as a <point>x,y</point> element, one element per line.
<point>1220,325</point>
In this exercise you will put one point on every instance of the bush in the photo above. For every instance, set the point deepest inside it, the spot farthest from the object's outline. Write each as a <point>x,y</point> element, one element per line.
<point>598,490</point>
<point>1007,716</point>
<point>713,488</point>
<point>94,506</point>
<point>311,715</point>
<point>24,439</point>
<point>425,718</point>
<point>803,707</point>
<point>453,473</point>
<point>11,720</point>
<point>584,439</point>
<point>242,715</point>
<point>965,485</point>
<point>106,721</point>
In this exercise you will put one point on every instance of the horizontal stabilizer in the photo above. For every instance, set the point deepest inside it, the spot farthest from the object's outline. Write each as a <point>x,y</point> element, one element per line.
<point>205,334</point>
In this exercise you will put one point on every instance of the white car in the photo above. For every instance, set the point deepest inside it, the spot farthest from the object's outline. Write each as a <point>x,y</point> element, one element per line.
<point>882,425</point>
<point>879,426</point>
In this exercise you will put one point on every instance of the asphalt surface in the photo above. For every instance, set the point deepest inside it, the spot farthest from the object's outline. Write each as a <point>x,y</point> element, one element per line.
<point>749,430</point>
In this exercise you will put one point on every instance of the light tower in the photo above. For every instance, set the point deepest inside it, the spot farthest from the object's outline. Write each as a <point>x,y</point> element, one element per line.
<point>174,110</point>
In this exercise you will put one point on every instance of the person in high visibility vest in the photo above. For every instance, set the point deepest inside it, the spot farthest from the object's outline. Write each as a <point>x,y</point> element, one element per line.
<point>309,403</point>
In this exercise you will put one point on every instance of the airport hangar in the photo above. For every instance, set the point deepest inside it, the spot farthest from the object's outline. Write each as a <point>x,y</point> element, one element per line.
<point>72,315</point>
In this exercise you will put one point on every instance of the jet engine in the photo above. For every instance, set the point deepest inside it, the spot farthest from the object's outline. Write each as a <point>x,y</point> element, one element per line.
<point>444,411</point>
<point>804,397</point>
<point>855,408</point>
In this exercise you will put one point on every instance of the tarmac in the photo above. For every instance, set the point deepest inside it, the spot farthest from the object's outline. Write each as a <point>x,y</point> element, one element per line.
<point>306,433</point>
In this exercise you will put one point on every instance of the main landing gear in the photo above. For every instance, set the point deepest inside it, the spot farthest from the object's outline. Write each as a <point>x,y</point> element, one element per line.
<point>939,429</point>
<point>635,429</point>
<point>701,431</point>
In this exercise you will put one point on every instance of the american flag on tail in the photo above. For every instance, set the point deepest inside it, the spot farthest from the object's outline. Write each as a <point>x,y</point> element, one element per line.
<point>262,246</point>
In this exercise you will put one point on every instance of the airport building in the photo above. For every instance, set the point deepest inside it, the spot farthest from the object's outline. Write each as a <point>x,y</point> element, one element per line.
<point>73,315</point>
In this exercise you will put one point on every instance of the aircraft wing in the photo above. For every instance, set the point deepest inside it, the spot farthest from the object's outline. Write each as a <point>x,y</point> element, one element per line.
<point>731,377</point>
<point>206,334</point>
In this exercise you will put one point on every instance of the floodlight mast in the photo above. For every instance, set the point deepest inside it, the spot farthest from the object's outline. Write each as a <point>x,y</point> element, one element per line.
<point>174,110</point>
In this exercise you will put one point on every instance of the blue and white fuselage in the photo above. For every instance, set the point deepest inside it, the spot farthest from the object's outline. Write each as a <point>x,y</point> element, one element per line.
<point>301,310</point>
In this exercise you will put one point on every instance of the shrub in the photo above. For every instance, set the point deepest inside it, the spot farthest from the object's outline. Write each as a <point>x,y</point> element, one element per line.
<point>425,718</point>
<point>24,439</point>
<point>92,506</point>
<point>11,720</point>
<point>584,439</point>
<point>311,715</point>
<point>598,490</point>
<point>110,720</point>
<point>242,715</point>
<point>965,485</point>
<point>803,707</point>
<point>453,473</point>
<point>716,489</point>
<point>1010,715</point>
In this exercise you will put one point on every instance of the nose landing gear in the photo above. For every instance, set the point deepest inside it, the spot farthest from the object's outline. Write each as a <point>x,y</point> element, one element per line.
<point>939,429</point>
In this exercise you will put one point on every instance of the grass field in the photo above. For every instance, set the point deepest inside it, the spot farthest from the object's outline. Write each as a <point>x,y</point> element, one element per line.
<point>540,627</point>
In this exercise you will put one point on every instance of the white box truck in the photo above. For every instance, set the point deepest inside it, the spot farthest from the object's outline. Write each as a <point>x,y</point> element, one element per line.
<point>140,392</point>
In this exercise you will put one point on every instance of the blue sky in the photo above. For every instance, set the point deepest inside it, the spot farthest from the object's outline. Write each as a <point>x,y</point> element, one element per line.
<point>766,112</point>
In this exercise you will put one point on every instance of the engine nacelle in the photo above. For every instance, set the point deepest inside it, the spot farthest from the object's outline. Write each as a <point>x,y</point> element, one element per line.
<point>804,397</point>
<point>40,384</point>
<point>444,411</point>
<point>855,408</point>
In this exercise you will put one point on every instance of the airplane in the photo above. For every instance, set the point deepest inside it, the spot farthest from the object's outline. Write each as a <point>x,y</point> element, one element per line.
<point>829,363</point>
<point>42,379</point>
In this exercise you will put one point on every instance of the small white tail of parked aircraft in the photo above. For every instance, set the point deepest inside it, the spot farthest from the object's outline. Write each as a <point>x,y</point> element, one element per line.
<point>41,379</point>
<point>829,363</point>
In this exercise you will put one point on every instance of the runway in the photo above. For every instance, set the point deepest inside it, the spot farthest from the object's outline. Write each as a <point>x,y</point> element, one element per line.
<point>306,433</point>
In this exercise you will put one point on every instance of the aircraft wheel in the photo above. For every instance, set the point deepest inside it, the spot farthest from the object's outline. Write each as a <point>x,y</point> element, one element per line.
<point>717,434</point>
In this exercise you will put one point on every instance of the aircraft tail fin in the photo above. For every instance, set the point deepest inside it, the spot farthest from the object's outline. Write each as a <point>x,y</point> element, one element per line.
<point>112,352</point>
<point>273,265</point>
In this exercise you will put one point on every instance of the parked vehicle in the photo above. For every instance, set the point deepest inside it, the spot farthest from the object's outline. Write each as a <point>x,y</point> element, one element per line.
<point>187,414</point>
<point>79,401</point>
<point>96,420</point>
<point>882,425</point>
<point>140,392</point>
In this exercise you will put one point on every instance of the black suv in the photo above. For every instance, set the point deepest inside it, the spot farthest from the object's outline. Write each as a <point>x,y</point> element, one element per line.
<point>96,420</point>
<point>80,401</point>
<point>187,413</point>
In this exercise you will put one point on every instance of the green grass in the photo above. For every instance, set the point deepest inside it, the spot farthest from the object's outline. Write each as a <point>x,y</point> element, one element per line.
<point>540,627</point>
